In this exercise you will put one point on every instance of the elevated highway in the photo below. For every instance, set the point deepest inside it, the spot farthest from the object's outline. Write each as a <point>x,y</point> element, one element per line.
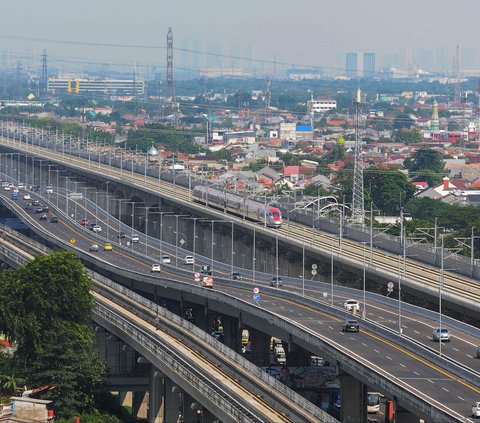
<point>431,387</point>
<point>226,384</point>
<point>420,279</point>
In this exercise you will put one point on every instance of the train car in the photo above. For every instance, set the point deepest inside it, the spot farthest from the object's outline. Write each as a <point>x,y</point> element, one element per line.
<point>240,206</point>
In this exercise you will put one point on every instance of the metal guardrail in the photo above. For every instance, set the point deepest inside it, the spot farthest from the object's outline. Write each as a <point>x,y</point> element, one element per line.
<point>311,302</point>
<point>207,339</point>
<point>247,306</point>
<point>203,336</point>
<point>178,365</point>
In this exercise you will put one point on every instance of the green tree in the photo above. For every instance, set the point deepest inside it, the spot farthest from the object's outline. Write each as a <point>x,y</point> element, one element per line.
<point>388,189</point>
<point>426,165</point>
<point>408,136</point>
<point>46,307</point>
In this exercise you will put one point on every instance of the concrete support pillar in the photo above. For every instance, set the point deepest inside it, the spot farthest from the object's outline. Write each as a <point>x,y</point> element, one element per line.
<point>296,355</point>
<point>156,396</point>
<point>140,404</point>
<point>192,410</point>
<point>171,402</point>
<point>354,400</point>
<point>260,347</point>
<point>404,416</point>
<point>232,334</point>
<point>125,399</point>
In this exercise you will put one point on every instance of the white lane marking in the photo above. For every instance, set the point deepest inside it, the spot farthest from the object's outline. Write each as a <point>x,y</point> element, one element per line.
<point>403,326</point>
<point>431,381</point>
<point>417,332</point>
<point>460,398</point>
<point>456,349</point>
<point>300,314</point>
<point>445,389</point>
<point>469,356</point>
<point>378,352</point>
<point>311,318</point>
<point>403,365</point>
<point>418,374</point>
<point>380,317</point>
<point>365,345</point>
<point>390,358</point>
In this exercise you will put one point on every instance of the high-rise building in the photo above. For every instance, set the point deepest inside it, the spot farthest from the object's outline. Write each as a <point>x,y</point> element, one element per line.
<point>368,65</point>
<point>351,69</point>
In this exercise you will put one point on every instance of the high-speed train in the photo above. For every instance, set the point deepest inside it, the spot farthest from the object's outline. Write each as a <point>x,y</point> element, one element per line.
<point>240,206</point>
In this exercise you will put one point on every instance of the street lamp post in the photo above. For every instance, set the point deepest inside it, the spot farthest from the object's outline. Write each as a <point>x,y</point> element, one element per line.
<point>194,232</point>
<point>161,230</point>
<point>108,209</point>
<point>133,217</point>
<point>364,287</point>
<point>254,259</point>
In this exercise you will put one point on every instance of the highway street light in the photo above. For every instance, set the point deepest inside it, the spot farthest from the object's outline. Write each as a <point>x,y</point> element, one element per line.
<point>364,312</point>
<point>161,229</point>
<point>133,203</point>
<point>195,231</point>
<point>213,222</point>
<point>176,216</point>
<point>108,209</point>
<point>120,216</point>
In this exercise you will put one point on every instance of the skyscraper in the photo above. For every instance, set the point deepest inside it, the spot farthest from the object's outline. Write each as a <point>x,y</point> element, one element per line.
<point>351,69</point>
<point>368,65</point>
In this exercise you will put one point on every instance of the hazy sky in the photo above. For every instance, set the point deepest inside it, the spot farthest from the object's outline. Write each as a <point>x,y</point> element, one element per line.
<point>303,32</point>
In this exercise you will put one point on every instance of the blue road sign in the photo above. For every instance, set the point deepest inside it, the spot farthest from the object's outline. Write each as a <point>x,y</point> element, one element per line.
<point>256,297</point>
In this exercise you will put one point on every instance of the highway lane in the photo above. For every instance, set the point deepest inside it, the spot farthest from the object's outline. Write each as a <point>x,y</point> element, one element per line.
<point>462,348</point>
<point>404,365</point>
<point>351,252</point>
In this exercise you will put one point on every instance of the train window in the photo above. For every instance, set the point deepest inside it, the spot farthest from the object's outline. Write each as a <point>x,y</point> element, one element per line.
<point>275,213</point>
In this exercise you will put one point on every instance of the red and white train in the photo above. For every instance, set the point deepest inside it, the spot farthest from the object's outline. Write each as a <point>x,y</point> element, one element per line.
<point>271,216</point>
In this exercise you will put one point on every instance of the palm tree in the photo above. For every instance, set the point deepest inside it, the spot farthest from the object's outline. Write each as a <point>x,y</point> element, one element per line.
<point>9,384</point>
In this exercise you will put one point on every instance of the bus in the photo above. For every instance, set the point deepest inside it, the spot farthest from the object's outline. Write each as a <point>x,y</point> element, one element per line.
<point>373,402</point>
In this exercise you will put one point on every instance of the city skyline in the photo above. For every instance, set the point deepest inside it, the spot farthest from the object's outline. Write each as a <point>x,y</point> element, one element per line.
<point>265,38</point>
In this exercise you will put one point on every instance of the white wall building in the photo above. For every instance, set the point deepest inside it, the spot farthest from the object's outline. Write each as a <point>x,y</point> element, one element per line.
<point>322,105</point>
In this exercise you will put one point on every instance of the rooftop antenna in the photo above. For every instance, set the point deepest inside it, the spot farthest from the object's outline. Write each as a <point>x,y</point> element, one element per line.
<point>358,207</point>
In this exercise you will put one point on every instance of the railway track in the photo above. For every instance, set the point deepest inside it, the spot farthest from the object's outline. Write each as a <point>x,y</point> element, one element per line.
<point>351,252</point>
<point>193,355</point>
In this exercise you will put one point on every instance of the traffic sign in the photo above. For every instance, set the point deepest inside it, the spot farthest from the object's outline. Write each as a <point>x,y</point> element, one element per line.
<point>314,272</point>
<point>197,275</point>
<point>73,241</point>
<point>256,290</point>
<point>256,297</point>
<point>314,266</point>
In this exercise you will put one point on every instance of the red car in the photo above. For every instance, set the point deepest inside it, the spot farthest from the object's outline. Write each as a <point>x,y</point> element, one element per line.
<point>85,222</point>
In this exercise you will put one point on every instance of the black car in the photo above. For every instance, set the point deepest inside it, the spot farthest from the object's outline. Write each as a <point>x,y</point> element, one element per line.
<point>54,219</point>
<point>121,235</point>
<point>29,206</point>
<point>206,270</point>
<point>350,325</point>
<point>236,276</point>
<point>39,210</point>
<point>43,217</point>
<point>45,209</point>
<point>36,202</point>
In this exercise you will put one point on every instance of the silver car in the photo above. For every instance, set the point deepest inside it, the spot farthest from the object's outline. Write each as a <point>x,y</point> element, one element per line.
<point>441,334</point>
